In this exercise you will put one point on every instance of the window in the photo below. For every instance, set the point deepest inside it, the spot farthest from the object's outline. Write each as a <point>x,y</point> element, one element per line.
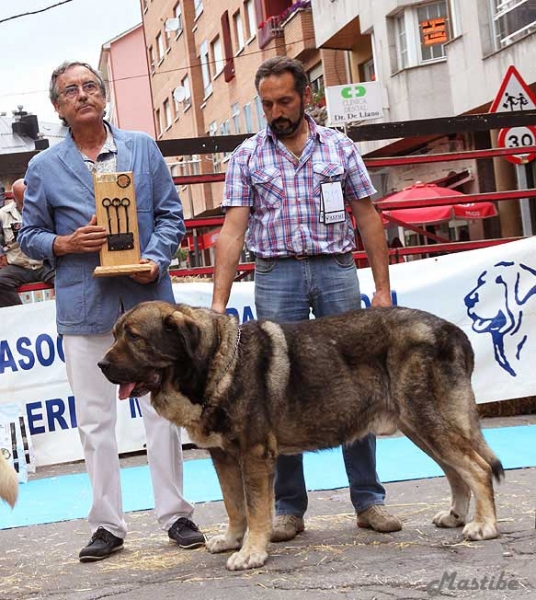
<point>512,20</point>
<point>158,122</point>
<point>421,33</point>
<point>152,63</point>
<point>261,119</point>
<point>198,6</point>
<point>177,13</point>
<point>225,129</point>
<point>402,42</point>
<point>216,157</point>
<point>167,113</point>
<point>251,20</point>
<point>160,44</point>
<point>238,31</point>
<point>235,114</point>
<point>195,162</point>
<point>432,19</point>
<point>248,118</point>
<point>205,69</point>
<point>316,79</point>
<point>368,72</point>
<point>176,107</point>
<point>187,94</point>
<point>217,55</point>
<point>213,128</point>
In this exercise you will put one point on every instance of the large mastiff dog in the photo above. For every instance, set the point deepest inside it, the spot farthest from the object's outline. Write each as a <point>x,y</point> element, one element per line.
<point>251,392</point>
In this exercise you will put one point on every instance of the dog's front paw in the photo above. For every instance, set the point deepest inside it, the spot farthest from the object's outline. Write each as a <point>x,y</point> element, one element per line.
<point>222,543</point>
<point>480,531</point>
<point>446,518</point>
<point>240,561</point>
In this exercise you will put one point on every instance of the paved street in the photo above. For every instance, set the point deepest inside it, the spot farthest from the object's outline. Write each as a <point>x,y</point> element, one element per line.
<point>331,557</point>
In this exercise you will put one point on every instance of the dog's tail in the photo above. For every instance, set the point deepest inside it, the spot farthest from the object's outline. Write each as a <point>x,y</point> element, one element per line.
<point>488,455</point>
<point>9,483</point>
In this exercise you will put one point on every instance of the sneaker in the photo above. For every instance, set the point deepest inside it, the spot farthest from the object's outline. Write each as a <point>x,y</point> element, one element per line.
<point>376,517</point>
<point>286,527</point>
<point>101,545</point>
<point>186,534</point>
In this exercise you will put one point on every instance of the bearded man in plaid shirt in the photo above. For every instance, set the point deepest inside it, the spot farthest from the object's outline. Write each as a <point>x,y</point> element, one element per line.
<point>286,193</point>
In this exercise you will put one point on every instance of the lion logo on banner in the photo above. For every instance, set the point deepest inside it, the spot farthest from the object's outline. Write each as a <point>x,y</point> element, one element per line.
<point>496,307</point>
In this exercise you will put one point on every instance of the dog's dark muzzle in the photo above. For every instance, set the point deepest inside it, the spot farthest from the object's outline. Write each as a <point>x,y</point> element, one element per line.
<point>106,368</point>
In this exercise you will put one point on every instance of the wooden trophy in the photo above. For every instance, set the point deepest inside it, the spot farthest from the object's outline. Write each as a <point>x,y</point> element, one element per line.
<point>115,203</point>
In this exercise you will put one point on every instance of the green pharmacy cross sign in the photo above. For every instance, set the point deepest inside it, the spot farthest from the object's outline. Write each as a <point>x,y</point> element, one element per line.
<point>353,91</point>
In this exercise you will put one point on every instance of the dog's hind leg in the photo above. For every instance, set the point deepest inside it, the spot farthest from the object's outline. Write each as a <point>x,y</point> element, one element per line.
<point>258,465</point>
<point>232,486</point>
<point>484,523</point>
<point>456,516</point>
<point>460,491</point>
<point>455,449</point>
<point>478,475</point>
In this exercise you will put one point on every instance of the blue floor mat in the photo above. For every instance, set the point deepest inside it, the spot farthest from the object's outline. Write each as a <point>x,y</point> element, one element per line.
<point>68,497</point>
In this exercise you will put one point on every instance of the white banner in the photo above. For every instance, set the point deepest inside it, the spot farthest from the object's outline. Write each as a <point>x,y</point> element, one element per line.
<point>489,293</point>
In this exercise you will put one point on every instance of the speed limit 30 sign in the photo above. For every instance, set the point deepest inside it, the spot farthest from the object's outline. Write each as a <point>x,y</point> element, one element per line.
<point>518,137</point>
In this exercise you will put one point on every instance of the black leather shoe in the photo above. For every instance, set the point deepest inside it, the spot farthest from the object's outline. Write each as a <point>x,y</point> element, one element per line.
<point>101,545</point>
<point>186,534</point>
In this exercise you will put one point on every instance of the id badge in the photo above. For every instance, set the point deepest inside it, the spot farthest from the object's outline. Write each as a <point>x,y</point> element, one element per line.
<point>332,203</point>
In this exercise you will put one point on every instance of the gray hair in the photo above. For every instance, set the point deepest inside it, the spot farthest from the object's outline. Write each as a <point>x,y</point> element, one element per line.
<point>53,93</point>
<point>278,65</point>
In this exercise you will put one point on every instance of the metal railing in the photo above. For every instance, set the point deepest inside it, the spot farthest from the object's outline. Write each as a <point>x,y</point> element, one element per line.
<point>428,128</point>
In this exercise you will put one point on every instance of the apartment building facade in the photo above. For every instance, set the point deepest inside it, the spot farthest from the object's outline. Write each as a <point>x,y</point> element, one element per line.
<point>438,59</point>
<point>203,55</point>
<point>435,58</point>
<point>123,66</point>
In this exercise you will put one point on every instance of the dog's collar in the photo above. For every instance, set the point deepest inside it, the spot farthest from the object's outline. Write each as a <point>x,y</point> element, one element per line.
<point>235,351</point>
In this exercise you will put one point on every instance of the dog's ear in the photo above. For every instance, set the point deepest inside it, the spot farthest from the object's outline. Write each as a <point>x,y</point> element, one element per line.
<point>525,285</point>
<point>185,328</point>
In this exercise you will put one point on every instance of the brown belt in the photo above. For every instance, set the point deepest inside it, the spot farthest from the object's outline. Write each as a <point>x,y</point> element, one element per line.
<point>305,256</point>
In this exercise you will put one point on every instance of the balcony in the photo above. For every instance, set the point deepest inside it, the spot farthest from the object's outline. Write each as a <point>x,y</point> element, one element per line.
<point>269,30</point>
<point>299,32</point>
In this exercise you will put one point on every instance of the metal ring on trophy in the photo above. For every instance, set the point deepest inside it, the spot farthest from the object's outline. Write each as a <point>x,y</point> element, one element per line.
<point>123,181</point>
<point>125,202</point>
<point>106,202</point>
<point>116,203</point>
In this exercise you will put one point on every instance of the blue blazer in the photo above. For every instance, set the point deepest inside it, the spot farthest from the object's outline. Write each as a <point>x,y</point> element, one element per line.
<point>59,198</point>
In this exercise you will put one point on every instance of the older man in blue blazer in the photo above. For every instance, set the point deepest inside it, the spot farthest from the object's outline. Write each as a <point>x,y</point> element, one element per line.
<point>59,226</point>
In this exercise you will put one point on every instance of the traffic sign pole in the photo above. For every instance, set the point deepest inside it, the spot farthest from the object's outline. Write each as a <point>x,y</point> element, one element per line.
<point>524,206</point>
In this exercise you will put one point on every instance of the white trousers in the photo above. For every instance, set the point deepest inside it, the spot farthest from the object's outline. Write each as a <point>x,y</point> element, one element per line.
<point>96,414</point>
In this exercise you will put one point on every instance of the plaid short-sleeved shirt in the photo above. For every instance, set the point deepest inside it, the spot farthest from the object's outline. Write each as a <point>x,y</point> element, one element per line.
<point>284,195</point>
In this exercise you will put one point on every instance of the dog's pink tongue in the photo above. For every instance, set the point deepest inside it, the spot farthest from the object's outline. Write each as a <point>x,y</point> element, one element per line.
<point>125,389</point>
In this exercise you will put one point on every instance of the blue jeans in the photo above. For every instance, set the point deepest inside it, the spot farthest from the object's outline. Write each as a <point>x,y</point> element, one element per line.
<point>288,290</point>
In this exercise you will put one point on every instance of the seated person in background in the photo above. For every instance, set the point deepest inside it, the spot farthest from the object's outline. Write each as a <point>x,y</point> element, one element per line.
<point>16,268</point>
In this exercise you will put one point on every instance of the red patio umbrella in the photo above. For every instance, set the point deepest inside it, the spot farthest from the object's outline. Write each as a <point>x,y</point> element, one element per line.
<point>435,214</point>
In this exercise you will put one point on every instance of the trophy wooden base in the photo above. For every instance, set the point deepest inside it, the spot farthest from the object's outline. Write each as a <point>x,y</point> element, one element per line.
<point>114,270</point>
<point>115,208</point>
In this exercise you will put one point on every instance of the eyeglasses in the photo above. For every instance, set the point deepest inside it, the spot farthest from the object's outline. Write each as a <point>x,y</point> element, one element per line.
<point>72,91</point>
